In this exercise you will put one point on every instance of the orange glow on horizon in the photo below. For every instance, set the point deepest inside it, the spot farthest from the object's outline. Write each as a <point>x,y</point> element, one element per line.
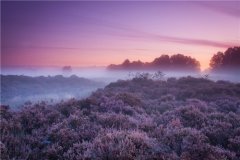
<point>101,59</point>
<point>108,33</point>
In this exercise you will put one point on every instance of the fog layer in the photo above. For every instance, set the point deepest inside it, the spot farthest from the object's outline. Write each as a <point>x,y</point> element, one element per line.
<point>54,84</point>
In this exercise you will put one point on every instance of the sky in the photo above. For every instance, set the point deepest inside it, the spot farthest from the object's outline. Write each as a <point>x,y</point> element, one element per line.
<point>80,33</point>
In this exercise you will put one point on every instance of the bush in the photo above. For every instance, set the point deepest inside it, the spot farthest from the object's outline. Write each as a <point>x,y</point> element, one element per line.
<point>188,118</point>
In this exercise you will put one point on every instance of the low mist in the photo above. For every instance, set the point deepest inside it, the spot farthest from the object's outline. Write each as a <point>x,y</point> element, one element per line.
<point>105,75</point>
<point>53,84</point>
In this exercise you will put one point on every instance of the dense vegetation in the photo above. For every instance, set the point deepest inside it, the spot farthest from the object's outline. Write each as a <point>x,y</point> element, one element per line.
<point>164,62</point>
<point>227,61</point>
<point>16,90</point>
<point>186,118</point>
<point>221,62</point>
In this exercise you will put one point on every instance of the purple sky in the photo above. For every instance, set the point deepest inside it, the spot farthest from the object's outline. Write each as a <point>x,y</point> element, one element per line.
<point>99,33</point>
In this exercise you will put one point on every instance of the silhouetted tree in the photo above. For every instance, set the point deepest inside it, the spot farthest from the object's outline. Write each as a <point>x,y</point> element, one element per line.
<point>126,63</point>
<point>216,60</point>
<point>229,60</point>
<point>163,60</point>
<point>136,64</point>
<point>166,62</point>
<point>185,62</point>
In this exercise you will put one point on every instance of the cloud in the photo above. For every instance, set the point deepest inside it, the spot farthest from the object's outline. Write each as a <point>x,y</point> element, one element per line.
<point>74,48</point>
<point>231,8</point>
<point>124,31</point>
<point>128,32</point>
<point>191,41</point>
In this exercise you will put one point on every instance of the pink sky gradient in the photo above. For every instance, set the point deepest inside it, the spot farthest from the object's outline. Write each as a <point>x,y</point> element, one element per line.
<point>100,33</point>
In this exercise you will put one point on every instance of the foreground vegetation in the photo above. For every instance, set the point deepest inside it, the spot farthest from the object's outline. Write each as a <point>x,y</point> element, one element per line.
<point>186,118</point>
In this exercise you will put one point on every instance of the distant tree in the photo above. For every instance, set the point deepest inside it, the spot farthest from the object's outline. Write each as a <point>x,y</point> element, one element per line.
<point>126,63</point>
<point>230,59</point>
<point>180,61</point>
<point>67,68</point>
<point>132,65</point>
<point>163,60</point>
<point>137,64</point>
<point>166,62</point>
<point>216,60</point>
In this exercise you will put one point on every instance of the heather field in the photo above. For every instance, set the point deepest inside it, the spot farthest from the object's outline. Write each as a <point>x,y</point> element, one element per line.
<point>120,80</point>
<point>142,118</point>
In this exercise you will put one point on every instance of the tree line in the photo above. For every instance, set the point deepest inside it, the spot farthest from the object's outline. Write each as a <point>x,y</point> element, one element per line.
<point>221,61</point>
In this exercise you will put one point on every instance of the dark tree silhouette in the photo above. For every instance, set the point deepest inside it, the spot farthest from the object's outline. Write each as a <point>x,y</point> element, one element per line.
<point>126,63</point>
<point>165,62</point>
<point>229,60</point>
<point>185,62</point>
<point>136,64</point>
<point>216,60</point>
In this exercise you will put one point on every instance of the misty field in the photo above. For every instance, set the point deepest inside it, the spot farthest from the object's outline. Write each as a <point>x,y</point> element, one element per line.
<point>18,89</point>
<point>120,80</point>
<point>173,119</point>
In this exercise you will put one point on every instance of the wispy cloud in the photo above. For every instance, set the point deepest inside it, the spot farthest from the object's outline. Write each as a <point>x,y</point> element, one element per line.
<point>124,31</point>
<point>128,32</point>
<point>231,8</point>
<point>44,47</point>
<point>190,41</point>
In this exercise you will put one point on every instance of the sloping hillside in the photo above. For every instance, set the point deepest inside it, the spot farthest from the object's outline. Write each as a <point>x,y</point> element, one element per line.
<point>186,118</point>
